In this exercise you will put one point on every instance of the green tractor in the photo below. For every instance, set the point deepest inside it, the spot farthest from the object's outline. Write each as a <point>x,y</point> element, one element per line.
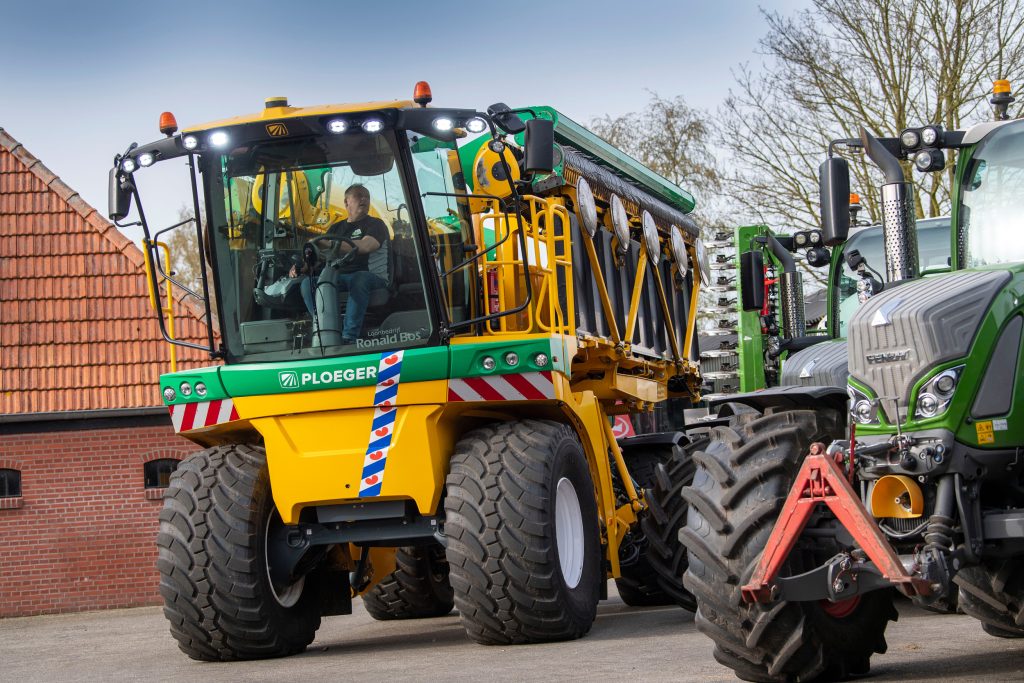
<point>812,503</point>
<point>776,343</point>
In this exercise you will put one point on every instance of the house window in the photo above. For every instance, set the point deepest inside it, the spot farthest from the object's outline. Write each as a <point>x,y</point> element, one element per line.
<point>10,483</point>
<point>157,473</point>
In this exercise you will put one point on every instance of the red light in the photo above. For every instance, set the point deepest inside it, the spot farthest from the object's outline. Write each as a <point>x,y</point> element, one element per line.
<point>168,124</point>
<point>421,94</point>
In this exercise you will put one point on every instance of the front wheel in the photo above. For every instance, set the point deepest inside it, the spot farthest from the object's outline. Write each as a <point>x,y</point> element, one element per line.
<point>743,478</point>
<point>993,594</point>
<point>219,534</point>
<point>523,542</point>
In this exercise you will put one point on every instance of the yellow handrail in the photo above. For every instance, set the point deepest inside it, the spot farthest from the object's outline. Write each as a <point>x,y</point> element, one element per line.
<point>153,296</point>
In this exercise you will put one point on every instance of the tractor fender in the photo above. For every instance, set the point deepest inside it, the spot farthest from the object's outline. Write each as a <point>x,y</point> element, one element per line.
<point>788,397</point>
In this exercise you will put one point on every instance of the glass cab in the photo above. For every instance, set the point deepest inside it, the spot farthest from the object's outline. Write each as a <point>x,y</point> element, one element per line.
<point>315,248</point>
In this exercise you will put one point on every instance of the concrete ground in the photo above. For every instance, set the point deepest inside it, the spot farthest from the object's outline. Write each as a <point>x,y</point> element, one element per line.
<point>653,644</point>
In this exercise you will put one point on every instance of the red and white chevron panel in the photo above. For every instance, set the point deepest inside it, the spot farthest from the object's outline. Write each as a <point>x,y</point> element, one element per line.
<point>188,416</point>
<point>528,386</point>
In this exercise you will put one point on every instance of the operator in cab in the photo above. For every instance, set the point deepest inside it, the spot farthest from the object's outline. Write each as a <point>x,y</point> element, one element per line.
<point>360,249</point>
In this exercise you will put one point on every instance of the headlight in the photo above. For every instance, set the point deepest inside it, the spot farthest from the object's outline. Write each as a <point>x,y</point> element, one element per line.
<point>929,136</point>
<point>218,139</point>
<point>128,165</point>
<point>651,240</point>
<point>443,123</point>
<point>488,363</point>
<point>337,126</point>
<point>935,395</point>
<point>169,394</point>
<point>190,142</point>
<point>910,139</point>
<point>476,125</point>
<point>145,159</point>
<point>373,125</point>
<point>863,410</point>
<point>200,389</point>
<point>185,389</point>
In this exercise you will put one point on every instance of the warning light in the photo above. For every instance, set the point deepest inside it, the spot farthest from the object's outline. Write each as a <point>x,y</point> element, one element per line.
<point>421,94</point>
<point>1000,86</point>
<point>168,124</point>
<point>854,198</point>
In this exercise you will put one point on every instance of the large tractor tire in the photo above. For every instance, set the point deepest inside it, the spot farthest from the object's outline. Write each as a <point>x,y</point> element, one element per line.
<point>213,560</point>
<point>417,589</point>
<point>994,595</point>
<point>523,541</point>
<point>655,577</point>
<point>743,478</point>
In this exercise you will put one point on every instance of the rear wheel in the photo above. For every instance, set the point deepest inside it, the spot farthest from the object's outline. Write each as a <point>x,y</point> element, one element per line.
<point>652,573</point>
<point>417,589</point>
<point>742,480</point>
<point>219,534</point>
<point>523,541</point>
<point>994,595</point>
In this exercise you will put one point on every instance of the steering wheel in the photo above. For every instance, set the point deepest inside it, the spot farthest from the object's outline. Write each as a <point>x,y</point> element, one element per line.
<point>353,249</point>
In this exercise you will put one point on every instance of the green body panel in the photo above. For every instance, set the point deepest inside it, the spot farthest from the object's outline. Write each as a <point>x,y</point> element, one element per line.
<point>418,365</point>
<point>748,327</point>
<point>957,418</point>
<point>568,132</point>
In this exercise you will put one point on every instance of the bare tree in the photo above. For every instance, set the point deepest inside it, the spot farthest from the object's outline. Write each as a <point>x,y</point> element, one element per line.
<point>672,139</point>
<point>882,64</point>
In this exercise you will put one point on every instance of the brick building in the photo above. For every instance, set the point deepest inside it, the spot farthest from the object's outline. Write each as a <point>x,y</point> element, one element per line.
<point>84,441</point>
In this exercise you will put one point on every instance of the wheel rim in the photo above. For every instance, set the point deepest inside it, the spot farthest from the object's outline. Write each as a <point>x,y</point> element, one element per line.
<point>569,532</point>
<point>285,594</point>
<point>843,608</point>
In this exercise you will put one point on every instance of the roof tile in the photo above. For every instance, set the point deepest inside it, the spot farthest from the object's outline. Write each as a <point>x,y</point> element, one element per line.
<point>76,328</point>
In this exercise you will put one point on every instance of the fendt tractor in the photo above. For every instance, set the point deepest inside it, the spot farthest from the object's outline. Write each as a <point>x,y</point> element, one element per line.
<point>807,509</point>
<point>776,346</point>
<point>427,317</point>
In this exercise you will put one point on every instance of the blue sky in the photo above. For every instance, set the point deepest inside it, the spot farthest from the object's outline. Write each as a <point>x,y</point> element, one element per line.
<point>81,80</point>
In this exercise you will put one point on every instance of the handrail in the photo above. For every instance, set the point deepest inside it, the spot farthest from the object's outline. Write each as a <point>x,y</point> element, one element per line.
<point>153,296</point>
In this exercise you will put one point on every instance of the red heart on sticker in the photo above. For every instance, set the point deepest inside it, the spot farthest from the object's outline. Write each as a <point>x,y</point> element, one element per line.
<point>391,360</point>
<point>377,455</point>
<point>387,383</point>
<point>370,481</point>
<point>383,431</point>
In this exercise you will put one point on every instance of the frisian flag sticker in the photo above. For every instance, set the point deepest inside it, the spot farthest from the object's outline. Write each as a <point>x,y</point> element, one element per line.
<point>383,426</point>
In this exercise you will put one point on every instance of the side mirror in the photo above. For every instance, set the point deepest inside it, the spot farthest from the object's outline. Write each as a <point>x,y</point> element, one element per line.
<point>834,193</point>
<point>752,280</point>
<point>505,118</point>
<point>540,146</point>
<point>119,197</point>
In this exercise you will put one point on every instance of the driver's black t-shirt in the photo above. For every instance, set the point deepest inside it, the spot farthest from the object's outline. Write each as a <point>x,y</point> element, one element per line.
<point>376,262</point>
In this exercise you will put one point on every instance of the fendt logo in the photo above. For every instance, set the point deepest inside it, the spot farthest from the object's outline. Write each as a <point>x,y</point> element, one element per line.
<point>888,356</point>
<point>277,130</point>
<point>289,380</point>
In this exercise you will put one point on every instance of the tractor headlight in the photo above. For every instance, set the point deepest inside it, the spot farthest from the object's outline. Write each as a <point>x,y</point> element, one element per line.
<point>476,125</point>
<point>190,142</point>
<point>337,126</point>
<point>935,395</point>
<point>863,410</point>
<point>169,394</point>
<point>146,159</point>
<point>910,138</point>
<point>128,165</point>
